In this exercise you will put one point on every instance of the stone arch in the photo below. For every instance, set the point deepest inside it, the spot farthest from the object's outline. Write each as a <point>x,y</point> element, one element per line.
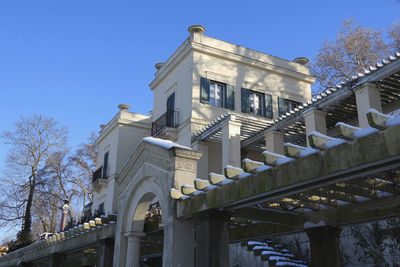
<point>130,228</point>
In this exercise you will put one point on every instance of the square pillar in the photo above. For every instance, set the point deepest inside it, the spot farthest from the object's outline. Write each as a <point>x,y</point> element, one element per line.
<point>325,246</point>
<point>133,249</point>
<point>106,253</point>
<point>274,142</point>
<point>315,120</point>
<point>231,143</point>
<point>367,96</point>
<point>202,163</point>
<point>212,239</point>
<point>179,244</point>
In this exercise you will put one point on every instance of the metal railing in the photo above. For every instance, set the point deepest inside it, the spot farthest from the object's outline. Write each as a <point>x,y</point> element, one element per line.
<point>97,174</point>
<point>168,119</point>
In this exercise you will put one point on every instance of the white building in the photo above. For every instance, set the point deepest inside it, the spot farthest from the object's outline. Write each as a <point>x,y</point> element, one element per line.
<point>204,80</point>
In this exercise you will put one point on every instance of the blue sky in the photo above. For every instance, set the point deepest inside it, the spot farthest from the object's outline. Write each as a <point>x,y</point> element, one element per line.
<point>77,60</point>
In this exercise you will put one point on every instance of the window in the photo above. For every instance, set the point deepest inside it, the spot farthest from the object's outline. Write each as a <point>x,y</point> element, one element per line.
<point>171,110</point>
<point>286,105</point>
<point>105,166</point>
<point>256,103</point>
<point>217,94</point>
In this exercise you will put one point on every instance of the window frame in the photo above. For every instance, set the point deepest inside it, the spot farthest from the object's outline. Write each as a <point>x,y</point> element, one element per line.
<point>222,97</point>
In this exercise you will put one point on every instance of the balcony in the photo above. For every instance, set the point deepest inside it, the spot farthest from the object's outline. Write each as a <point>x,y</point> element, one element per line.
<point>168,119</point>
<point>97,174</point>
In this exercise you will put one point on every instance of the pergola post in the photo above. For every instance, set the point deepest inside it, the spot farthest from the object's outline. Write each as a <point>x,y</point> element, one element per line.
<point>212,239</point>
<point>325,246</point>
<point>231,142</point>
<point>106,252</point>
<point>133,249</point>
<point>274,142</point>
<point>367,96</point>
<point>315,120</point>
<point>202,163</point>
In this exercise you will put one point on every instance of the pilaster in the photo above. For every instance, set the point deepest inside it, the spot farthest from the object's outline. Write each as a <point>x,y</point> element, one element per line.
<point>367,96</point>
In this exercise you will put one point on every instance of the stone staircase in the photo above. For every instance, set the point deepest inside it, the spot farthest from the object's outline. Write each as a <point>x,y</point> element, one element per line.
<point>272,254</point>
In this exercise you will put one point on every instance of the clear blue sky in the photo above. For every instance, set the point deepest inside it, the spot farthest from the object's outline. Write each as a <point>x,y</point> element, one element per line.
<point>77,60</point>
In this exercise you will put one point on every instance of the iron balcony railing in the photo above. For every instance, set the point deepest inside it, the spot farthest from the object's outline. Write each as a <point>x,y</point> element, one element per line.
<point>168,119</point>
<point>97,174</point>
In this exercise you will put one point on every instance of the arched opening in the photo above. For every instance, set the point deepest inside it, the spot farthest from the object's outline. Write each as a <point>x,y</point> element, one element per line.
<point>144,233</point>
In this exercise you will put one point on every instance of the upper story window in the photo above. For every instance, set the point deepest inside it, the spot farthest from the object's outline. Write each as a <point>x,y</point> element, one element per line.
<point>217,94</point>
<point>105,166</point>
<point>286,105</point>
<point>256,103</point>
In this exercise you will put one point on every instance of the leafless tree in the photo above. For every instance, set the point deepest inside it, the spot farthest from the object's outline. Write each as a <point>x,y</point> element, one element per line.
<point>31,143</point>
<point>84,163</point>
<point>355,49</point>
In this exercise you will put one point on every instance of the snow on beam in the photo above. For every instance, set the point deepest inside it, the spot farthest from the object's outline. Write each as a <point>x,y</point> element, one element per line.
<point>232,172</point>
<point>274,159</point>
<point>321,141</point>
<point>296,151</point>
<point>251,165</point>
<point>345,131</point>
<point>216,179</point>
<point>187,189</point>
<point>201,184</point>
<point>377,119</point>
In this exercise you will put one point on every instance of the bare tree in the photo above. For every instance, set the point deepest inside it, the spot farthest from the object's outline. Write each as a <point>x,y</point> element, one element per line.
<point>355,49</point>
<point>84,162</point>
<point>31,143</point>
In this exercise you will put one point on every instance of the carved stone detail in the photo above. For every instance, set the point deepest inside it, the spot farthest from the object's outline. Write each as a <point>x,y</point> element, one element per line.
<point>185,164</point>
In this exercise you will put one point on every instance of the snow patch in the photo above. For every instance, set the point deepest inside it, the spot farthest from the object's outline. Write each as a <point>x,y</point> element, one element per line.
<point>348,126</point>
<point>308,151</point>
<point>393,121</point>
<point>252,161</point>
<point>334,142</point>
<point>163,143</point>
<point>263,168</point>
<point>364,132</point>
<point>226,181</point>
<point>321,135</point>
<point>272,153</point>
<point>244,175</point>
<point>283,160</point>
<point>371,110</point>
<point>233,168</point>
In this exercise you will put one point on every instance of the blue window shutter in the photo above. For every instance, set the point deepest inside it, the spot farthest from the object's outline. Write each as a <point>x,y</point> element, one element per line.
<point>229,97</point>
<point>268,111</point>
<point>245,100</point>
<point>204,90</point>
<point>283,107</point>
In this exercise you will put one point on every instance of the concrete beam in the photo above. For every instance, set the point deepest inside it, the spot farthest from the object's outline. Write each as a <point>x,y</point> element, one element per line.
<point>268,216</point>
<point>364,156</point>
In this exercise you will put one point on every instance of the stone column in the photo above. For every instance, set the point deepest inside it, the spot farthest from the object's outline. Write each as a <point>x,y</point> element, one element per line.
<point>315,120</point>
<point>274,142</point>
<point>202,163</point>
<point>367,96</point>
<point>133,249</point>
<point>325,247</point>
<point>212,239</point>
<point>179,243</point>
<point>57,260</point>
<point>231,143</point>
<point>106,252</point>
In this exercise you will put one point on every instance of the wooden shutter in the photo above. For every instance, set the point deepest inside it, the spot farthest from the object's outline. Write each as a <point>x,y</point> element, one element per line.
<point>283,108</point>
<point>245,100</point>
<point>105,165</point>
<point>204,90</point>
<point>229,96</point>
<point>268,112</point>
